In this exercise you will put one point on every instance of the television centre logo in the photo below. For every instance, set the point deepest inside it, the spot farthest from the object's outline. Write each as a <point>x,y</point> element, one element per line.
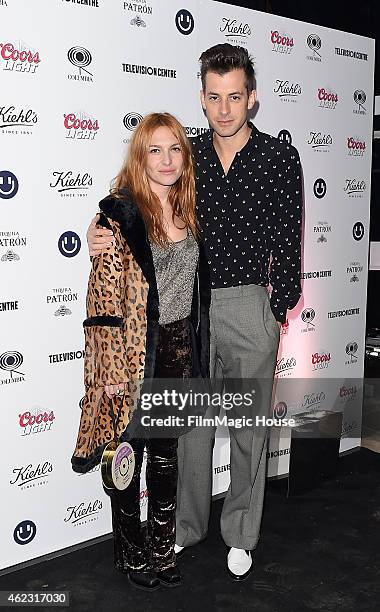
<point>9,306</point>
<point>68,356</point>
<point>351,54</point>
<point>30,476</point>
<point>11,243</point>
<point>308,316</point>
<point>193,131</point>
<point>35,421</point>
<point>168,73</point>
<point>346,312</point>
<point>80,126</point>
<point>355,146</point>
<point>89,3</point>
<point>354,271</point>
<point>354,188</point>
<point>69,184</point>
<point>314,43</point>
<point>19,57</point>
<point>359,99</point>
<point>83,513</point>
<point>8,185</point>
<point>316,274</point>
<point>287,91</point>
<point>320,142</point>
<point>235,31</point>
<point>10,364</point>
<point>322,229</point>
<point>60,298</point>
<point>327,98</point>
<point>351,351</point>
<point>138,6</point>
<point>184,22</point>
<point>81,59</point>
<point>17,120</point>
<point>281,42</point>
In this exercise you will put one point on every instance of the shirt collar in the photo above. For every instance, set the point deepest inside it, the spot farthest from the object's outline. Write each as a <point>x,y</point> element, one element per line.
<point>206,140</point>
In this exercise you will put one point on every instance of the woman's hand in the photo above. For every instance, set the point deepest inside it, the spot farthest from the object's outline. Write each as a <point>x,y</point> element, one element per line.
<point>98,238</point>
<point>112,390</point>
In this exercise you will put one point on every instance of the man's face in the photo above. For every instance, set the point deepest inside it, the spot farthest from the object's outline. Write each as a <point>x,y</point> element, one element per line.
<point>226,101</point>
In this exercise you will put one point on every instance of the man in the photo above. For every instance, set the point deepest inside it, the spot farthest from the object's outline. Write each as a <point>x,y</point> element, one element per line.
<point>249,205</point>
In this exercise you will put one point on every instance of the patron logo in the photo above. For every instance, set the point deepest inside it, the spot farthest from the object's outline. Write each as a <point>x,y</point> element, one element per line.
<point>80,126</point>
<point>83,513</point>
<point>320,360</point>
<point>359,99</point>
<point>81,58</point>
<point>287,91</point>
<point>70,356</point>
<point>348,393</point>
<point>308,316</point>
<point>60,297</point>
<point>320,188</point>
<point>19,57</point>
<point>184,22</point>
<point>69,244</point>
<point>316,274</point>
<point>358,230</point>
<point>280,410</point>
<point>322,229</point>
<point>355,147</point>
<point>29,477</point>
<point>346,312</point>
<point>8,306</point>
<point>353,54</point>
<point>314,43</point>
<point>131,120</point>
<point>351,351</point>
<point>17,121</point>
<point>285,137</point>
<point>235,31</point>
<point>313,401</point>
<point>192,131</point>
<point>137,21</point>
<point>354,188</point>
<point>70,185</point>
<point>354,271</point>
<point>89,3</point>
<point>285,366</point>
<point>24,532</point>
<point>138,6</point>
<point>167,73</point>
<point>11,239</point>
<point>8,185</point>
<point>320,142</point>
<point>327,98</point>
<point>281,42</point>
<point>35,421</point>
<point>10,364</point>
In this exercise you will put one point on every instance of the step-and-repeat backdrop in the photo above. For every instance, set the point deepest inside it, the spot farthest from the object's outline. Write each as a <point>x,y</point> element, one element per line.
<point>76,76</point>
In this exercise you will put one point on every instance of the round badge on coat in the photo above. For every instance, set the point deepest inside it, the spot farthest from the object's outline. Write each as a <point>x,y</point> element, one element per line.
<point>118,465</point>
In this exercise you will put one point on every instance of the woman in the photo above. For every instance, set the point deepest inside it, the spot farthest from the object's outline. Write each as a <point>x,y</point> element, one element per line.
<point>147,308</point>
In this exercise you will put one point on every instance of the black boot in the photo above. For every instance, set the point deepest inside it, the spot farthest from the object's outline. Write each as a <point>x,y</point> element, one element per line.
<point>170,577</point>
<point>146,580</point>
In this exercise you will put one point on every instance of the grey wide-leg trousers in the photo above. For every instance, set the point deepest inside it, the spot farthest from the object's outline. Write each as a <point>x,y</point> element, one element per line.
<point>244,344</point>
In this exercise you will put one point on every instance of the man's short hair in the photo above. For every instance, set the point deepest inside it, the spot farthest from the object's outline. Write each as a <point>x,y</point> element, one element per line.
<point>225,57</point>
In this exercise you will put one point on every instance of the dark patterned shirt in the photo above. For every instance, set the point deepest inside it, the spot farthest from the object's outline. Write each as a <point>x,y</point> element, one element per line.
<point>250,218</point>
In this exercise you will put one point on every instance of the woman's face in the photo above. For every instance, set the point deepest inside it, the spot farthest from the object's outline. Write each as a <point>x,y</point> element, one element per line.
<point>164,164</point>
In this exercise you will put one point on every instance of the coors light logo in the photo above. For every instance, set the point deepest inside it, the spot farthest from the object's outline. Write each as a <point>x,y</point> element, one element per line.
<point>327,98</point>
<point>281,43</point>
<point>320,360</point>
<point>80,126</point>
<point>355,146</point>
<point>35,422</point>
<point>19,57</point>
